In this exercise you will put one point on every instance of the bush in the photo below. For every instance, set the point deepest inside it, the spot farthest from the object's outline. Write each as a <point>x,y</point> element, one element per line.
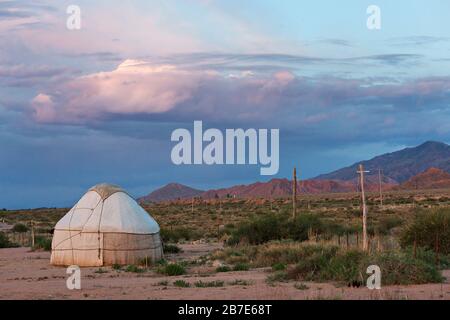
<point>173,269</point>
<point>241,267</point>
<point>223,269</point>
<point>279,266</point>
<point>5,243</point>
<point>179,233</point>
<point>181,284</point>
<point>386,224</point>
<point>134,268</point>
<point>20,228</point>
<point>116,267</point>
<point>427,227</point>
<point>397,268</point>
<point>211,284</point>
<point>42,243</point>
<point>277,227</point>
<point>304,223</point>
<point>171,248</point>
<point>402,268</point>
<point>260,230</point>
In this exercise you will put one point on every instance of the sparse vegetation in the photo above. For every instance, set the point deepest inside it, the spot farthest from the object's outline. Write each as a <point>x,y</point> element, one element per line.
<point>134,268</point>
<point>181,284</point>
<point>4,241</point>
<point>430,229</point>
<point>42,243</point>
<point>19,228</point>
<point>172,269</point>
<point>171,248</point>
<point>241,267</point>
<point>301,286</point>
<point>209,284</point>
<point>223,269</point>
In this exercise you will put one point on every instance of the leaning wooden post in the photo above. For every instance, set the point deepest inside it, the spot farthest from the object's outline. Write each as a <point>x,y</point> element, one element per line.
<point>294,194</point>
<point>364,208</point>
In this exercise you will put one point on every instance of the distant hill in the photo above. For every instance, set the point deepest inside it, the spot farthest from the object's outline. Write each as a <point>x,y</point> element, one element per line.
<point>282,188</point>
<point>424,167</point>
<point>432,178</point>
<point>172,191</point>
<point>400,165</point>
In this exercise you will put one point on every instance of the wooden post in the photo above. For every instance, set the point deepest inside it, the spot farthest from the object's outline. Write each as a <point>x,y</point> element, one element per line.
<point>32,234</point>
<point>381,190</point>
<point>294,194</point>
<point>364,207</point>
<point>192,205</point>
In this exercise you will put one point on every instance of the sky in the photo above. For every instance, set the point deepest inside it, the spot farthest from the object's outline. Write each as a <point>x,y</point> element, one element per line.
<point>99,104</point>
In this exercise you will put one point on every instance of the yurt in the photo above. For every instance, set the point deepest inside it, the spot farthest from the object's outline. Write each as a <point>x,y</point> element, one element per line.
<point>105,227</point>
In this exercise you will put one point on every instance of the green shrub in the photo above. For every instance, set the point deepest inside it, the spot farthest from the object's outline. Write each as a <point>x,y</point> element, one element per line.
<point>301,286</point>
<point>402,268</point>
<point>179,233</point>
<point>42,243</point>
<point>240,282</point>
<point>223,269</point>
<point>210,284</point>
<point>279,266</point>
<point>171,248</point>
<point>173,269</point>
<point>19,228</point>
<point>386,224</point>
<point>241,267</point>
<point>270,227</point>
<point>427,227</point>
<point>304,223</point>
<point>181,284</point>
<point>134,268</point>
<point>4,241</point>
<point>397,268</point>
<point>117,267</point>
<point>100,271</point>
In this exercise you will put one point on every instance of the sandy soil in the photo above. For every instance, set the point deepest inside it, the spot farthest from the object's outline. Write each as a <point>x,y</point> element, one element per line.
<point>28,275</point>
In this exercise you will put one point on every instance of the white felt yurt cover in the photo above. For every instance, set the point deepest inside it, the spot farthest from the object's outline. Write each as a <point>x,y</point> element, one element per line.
<point>105,227</point>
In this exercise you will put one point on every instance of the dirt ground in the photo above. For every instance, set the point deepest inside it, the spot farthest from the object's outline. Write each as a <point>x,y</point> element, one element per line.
<point>28,275</point>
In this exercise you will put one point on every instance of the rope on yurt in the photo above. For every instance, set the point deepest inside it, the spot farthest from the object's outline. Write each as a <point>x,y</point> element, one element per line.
<point>82,228</point>
<point>70,232</point>
<point>98,230</point>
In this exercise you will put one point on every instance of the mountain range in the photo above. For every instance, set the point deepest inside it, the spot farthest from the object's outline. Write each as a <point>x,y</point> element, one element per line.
<point>424,166</point>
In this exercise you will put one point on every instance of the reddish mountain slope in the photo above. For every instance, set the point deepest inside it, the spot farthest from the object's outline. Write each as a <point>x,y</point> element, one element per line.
<point>432,178</point>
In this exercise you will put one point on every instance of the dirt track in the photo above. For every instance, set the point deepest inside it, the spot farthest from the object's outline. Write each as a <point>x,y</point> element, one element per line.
<point>28,275</point>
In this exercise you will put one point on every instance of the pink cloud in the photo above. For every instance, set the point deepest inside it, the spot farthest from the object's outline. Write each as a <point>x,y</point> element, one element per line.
<point>138,87</point>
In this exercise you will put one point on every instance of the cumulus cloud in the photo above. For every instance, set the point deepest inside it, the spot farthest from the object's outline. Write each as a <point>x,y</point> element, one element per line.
<point>138,87</point>
<point>164,92</point>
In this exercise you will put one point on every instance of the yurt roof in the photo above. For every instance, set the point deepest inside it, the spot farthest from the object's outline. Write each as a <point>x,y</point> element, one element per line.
<point>106,190</point>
